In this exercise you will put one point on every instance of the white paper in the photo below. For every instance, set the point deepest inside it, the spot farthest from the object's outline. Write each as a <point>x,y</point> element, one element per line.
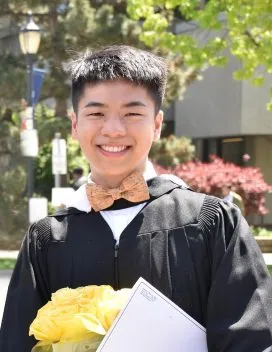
<point>37,209</point>
<point>61,195</point>
<point>150,322</point>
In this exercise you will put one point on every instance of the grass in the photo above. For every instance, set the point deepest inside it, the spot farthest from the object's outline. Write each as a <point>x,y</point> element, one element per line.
<point>10,263</point>
<point>260,231</point>
<point>270,268</point>
<point>7,263</point>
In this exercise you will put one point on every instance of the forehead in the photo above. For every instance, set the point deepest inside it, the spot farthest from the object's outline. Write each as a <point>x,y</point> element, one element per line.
<point>115,92</point>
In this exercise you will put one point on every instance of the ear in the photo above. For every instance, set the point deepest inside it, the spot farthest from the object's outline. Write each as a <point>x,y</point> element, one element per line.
<point>74,125</point>
<point>158,126</point>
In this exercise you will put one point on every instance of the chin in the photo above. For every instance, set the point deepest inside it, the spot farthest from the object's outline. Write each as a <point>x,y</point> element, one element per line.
<point>117,172</point>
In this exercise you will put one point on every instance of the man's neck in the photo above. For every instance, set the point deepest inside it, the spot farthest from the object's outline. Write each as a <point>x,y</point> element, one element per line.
<point>108,182</point>
<point>115,181</point>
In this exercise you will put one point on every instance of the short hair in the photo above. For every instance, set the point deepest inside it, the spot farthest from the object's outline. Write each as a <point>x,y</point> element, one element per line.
<point>119,62</point>
<point>78,171</point>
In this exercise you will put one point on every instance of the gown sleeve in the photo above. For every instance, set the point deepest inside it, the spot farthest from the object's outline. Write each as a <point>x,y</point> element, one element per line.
<point>26,294</point>
<point>239,312</point>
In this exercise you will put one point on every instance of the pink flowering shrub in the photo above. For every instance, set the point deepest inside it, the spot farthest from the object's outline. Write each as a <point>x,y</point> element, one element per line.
<point>210,177</point>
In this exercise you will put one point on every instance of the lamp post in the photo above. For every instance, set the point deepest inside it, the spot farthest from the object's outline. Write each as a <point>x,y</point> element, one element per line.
<point>29,37</point>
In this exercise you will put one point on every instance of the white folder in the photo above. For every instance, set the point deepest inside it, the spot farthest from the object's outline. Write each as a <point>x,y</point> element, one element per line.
<point>150,322</point>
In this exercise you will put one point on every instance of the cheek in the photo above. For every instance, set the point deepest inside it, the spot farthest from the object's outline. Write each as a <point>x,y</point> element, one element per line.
<point>85,130</point>
<point>84,137</point>
<point>145,138</point>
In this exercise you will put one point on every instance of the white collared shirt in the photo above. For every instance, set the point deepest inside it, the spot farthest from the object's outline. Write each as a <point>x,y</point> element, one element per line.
<point>117,220</point>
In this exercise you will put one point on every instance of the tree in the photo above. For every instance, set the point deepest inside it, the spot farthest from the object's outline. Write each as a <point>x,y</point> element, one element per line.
<point>68,26</point>
<point>13,207</point>
<point>47,125</point>
<point>172,151</point>
<point>244,27</point>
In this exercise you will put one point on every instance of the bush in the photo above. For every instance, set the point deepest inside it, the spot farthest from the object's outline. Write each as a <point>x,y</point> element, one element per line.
<point>48,124</point>
<point>13,207</point>
<point>210,177</point>
<point>172,150</point>
<point>260,231</point>
<point>44,179</point>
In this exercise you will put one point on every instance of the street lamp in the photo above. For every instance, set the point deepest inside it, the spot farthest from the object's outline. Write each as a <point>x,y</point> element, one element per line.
<point>29,37</point>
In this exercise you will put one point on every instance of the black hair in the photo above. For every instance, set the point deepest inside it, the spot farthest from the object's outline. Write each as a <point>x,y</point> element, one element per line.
<point>78,171</point>
<point>119,62</point>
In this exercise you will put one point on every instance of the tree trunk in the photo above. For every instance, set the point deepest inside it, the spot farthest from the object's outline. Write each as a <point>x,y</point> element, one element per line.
<point>61,108</point>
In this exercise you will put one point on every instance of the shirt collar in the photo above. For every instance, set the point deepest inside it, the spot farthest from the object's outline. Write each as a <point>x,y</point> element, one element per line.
<point>80,200</point>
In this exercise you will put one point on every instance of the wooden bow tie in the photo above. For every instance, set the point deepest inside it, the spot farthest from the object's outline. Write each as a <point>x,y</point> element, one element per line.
<point>133,188</point>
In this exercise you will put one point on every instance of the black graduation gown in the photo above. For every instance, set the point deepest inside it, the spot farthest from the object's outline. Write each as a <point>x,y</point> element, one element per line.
<point>194,248</point>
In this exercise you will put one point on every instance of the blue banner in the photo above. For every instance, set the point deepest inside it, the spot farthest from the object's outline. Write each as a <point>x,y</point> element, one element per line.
<point>37,81</point>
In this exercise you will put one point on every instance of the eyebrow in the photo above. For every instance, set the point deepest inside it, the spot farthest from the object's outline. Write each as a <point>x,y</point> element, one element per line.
<point>95,104</point>
<point>102,105</point>
<point>134,103</point>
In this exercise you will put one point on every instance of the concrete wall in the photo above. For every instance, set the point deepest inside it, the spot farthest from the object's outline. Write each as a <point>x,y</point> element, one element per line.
<point>260,150</point>
<point>211,107</point>
<point>219,106</point>
<point>256,120</point>
<point>263,160</point>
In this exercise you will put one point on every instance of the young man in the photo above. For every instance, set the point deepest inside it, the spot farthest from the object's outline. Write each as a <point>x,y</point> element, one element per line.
<point>230,196</point>
<point>78,178</point>
<point>128,222</point>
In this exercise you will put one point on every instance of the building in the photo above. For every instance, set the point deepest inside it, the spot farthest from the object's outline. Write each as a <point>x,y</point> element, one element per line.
<point>228,118</point>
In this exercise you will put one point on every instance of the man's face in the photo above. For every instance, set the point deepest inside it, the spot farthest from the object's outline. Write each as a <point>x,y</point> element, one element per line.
<point>225,191</point>
<point>115,125</point>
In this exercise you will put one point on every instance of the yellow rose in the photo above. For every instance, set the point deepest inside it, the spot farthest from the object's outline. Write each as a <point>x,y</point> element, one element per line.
<point>66,296</point>
<point>78,314</point>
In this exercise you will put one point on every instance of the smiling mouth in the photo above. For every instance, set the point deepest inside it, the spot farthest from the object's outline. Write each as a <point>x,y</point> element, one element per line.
<point>114,148</point>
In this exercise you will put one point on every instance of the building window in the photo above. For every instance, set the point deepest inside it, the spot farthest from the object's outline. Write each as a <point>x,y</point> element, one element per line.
<point>230,149</point>
<point>233,150</point>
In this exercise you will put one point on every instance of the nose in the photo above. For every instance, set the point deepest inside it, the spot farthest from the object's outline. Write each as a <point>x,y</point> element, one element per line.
<point>113,127</point>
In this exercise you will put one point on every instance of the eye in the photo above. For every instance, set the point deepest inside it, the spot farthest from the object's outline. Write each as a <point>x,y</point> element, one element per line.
<point>95,115</point>
<point>133,114</point>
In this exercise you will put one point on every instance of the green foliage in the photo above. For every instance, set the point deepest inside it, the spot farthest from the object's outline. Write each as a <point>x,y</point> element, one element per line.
<point>10,264</point>
<point>44,180</point>
<point>75,157</point>
<point>51,208</point>
<point>44,177</point>
<point>72,26</point>
<point>244,27</point>
<point>260,231</point>
<point>67,27</point>
<point>13,206</point>
<point>48,125</point>
<point>172,151</point>
<point>12,80</point>
<point>7,263</point>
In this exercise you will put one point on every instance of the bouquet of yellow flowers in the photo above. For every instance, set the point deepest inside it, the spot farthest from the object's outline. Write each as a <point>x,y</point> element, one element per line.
<point>76,320</point>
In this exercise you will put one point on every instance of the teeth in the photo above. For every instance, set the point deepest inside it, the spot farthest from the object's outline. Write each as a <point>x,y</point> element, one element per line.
<point>113,149</point>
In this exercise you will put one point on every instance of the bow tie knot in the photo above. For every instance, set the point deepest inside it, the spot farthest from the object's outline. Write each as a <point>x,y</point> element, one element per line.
<point>133,188</point>
<point>115,193</point>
